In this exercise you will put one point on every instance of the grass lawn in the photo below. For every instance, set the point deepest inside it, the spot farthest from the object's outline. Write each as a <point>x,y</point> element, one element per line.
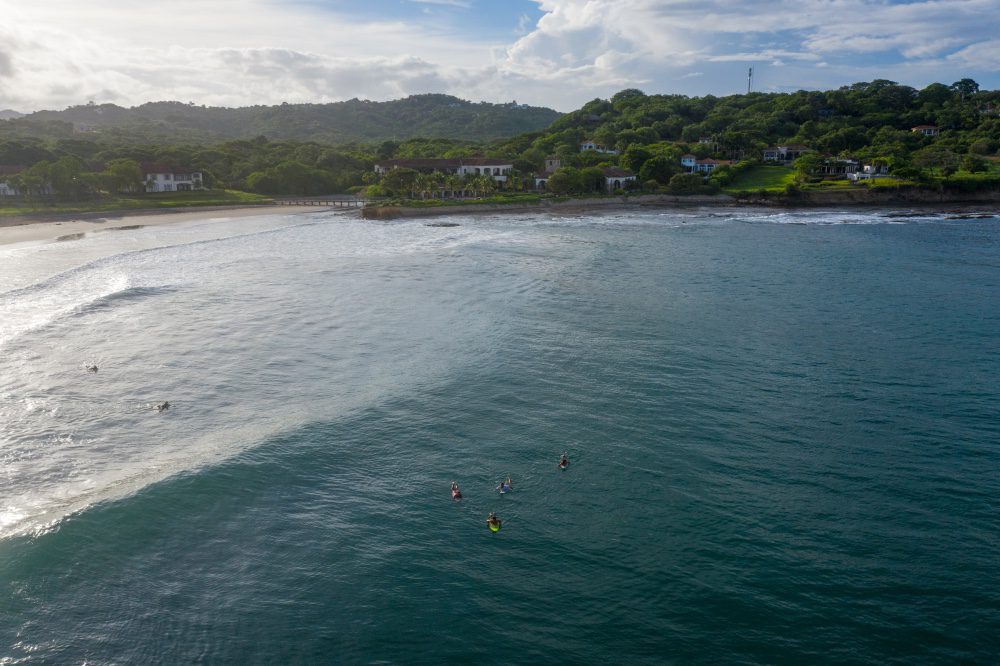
<point>771,178</point>
<point>136,201</point>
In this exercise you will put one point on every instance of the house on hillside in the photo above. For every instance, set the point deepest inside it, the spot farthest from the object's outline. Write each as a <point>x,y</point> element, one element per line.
<point>616,178</point>
<point>552,162</point>
<point>705,166</point>
<point>162,178</point>
<point>496,168</point>
<point>785,154</point>
<point>926,130</point>
<point>590,144</point>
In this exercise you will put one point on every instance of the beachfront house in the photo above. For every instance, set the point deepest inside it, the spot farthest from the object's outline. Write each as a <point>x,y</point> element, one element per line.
<point>552,162</point>
<point>834,167</point>
<point>590,144</point>
<point>616,178</point>
<point>784,154</point>
<point>705,166</point>
<point>870,171</point>
<point>160,178</point>
<point>496,168</point>
<point>926,130</point>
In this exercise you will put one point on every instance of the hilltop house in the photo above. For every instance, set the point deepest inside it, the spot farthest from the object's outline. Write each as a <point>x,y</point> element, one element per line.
<point>590,144</point>
<point>706,166</point>
<point>497,168</point>
<point>926,130</point>
<point>160,178</point>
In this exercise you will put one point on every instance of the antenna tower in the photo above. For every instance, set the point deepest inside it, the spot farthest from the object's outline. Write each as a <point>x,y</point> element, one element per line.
<point>749,80</point>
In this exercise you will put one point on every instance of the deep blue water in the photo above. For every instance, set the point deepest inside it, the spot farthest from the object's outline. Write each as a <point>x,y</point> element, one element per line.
<point>783,429</point>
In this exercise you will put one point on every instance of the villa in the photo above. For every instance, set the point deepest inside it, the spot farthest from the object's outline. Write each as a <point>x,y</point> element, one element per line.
<point>785,154</point>
<point>616,178</point>
<point>705,166</point>
<point>926,130</point>
<point>590,144</point>
<point>498,169</point>
<point>160,178</point>
<point>552,162</point>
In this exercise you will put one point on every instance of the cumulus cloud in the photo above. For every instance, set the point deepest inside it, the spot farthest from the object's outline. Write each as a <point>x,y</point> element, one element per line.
<point>238,52</point>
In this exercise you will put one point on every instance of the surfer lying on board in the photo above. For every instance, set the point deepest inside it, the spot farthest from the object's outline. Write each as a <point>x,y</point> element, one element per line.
<point>455,492</point>
<point>493,521</point>
<point>504,486</point>
<point>162,406</point>
<point>563,462</point>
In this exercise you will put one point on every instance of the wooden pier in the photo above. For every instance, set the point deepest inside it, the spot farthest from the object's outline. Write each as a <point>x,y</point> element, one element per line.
<point>325,202</point>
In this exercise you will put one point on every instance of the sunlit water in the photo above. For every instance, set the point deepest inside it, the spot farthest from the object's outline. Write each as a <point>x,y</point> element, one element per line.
<point>783,429</point>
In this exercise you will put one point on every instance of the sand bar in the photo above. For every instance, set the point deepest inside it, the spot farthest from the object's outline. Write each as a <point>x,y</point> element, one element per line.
<point>27,229</point>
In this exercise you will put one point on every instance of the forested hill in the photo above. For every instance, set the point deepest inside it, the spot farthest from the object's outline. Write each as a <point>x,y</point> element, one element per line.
<point>428,116</point>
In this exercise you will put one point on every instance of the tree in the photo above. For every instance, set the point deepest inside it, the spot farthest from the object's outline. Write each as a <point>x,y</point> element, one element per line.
<point>123,175</point>
<point>686,183</point>
<point>659,169</point>
<point>975,164</point>
<point>965,87</point>
<point>634,157</point>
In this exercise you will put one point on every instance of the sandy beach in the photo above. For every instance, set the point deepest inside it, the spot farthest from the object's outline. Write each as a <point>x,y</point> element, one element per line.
<point>21,230</point>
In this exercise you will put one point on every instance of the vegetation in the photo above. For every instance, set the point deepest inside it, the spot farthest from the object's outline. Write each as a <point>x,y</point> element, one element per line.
<point>136,201</point>
<point>335,123</point>
<point>334,147</point>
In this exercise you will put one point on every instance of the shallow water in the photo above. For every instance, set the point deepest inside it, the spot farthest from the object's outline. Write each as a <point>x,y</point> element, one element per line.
<point>782,425</point>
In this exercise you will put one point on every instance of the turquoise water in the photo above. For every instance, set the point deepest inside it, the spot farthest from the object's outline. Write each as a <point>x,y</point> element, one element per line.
<point>783,432</point>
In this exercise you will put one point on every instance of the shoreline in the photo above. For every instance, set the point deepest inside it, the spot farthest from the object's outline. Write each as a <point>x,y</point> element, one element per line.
<point>850,199</point>
<point>26,229</point>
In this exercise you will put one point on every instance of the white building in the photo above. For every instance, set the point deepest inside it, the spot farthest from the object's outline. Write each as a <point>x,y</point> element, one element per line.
<point>165,179</point>
<point>706,166</point>
<point>616,178</point>
<point>498,169</point>
<point>590,144</point>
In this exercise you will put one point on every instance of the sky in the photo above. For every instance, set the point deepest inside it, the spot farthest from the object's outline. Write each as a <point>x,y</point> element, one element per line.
<point>554,53</point>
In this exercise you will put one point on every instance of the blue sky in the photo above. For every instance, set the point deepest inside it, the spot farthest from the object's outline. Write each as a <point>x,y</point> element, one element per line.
<point>556,53</point>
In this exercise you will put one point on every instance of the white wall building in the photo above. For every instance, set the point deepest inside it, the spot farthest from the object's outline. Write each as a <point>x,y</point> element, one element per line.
<point>163,179</point>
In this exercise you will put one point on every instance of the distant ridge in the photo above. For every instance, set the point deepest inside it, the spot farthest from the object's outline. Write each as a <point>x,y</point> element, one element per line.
<point>7,114</point>
<point>429,116</point>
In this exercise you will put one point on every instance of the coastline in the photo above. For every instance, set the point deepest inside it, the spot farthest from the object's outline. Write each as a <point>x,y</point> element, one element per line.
<point>852,199</point>
<point>22,229</point>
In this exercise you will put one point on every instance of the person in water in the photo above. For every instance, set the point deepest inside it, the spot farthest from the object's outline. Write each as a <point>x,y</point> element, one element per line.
<point>492,520</point>
<point>455,492</point>
<point>564,461</point>
<point>504,486</point>
<point>92,368</point>
<point>162,406</point>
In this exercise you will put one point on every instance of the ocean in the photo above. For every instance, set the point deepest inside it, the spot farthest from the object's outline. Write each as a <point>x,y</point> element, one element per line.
<point>783,428</point>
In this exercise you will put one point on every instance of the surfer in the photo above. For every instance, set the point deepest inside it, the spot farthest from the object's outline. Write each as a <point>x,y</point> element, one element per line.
<point>563,462</point>
<point>504,486</point>
<point>455,492</point>
<point>163,406</point>
<point>91,368</point>
<point>493,522</point>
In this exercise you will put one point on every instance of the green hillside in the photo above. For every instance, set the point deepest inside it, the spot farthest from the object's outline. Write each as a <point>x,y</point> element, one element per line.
<point>434,116</point>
